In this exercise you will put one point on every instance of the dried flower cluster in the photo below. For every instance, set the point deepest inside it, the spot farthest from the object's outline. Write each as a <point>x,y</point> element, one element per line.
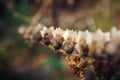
<point>91,55</point>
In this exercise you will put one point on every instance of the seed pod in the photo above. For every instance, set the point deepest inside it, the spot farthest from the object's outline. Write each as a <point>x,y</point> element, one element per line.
<point>61,52</point>
<point>68,46</point>
<point>28,36</point>
<point>38,36</point>
<point>57,42</point>
<point>111,49</point>
<point>103,49</point>
<point>46,39</point>
<point>84,47</point>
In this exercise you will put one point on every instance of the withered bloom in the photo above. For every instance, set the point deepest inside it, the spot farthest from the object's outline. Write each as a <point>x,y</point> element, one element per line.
<point>91,55</point>
<point>57,42</point>
<point>68,46</point>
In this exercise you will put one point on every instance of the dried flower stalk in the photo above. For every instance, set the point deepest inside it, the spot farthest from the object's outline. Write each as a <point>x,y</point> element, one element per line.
<point>91,55</point>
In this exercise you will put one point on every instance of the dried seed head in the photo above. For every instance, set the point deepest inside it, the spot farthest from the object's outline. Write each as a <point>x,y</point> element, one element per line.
<point>62,53</point>
<point>46,39</point>
<point>44,30</point>
<point>68,46</point>
<point>84,35</point>
<point>38,28</point>
<point>110,49</point>
<point>57,42</point>
<point>38,36</point>
<point>84,47</point>
<point>91,46</point>
<point>28,35</point>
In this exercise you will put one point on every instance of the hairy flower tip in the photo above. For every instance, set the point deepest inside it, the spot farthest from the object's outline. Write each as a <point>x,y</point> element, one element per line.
<point>86,35</point>
<point>115,36</point>
<point>99,37</point>
<point>38,28</point>
<point>83,40</point>
<point>51,28</point>
<point>113,32</point>
<point>111,49</point>
<point>107,36</point>
<point>58,32</point>
<point>22,30</point>
<point>69,35</point>
<point>99,31</point>
<point>45,30</point>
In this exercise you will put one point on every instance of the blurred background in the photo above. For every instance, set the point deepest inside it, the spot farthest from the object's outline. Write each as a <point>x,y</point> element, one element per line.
<point>18,61</point>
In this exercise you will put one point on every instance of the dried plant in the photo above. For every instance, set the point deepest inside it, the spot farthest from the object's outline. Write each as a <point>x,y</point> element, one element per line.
<point>91,55</point>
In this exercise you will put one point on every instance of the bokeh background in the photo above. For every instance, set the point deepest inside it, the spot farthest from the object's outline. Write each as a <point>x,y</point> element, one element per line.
<point>19,61</point>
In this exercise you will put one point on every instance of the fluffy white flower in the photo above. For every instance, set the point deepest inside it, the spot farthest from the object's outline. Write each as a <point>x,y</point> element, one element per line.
<point>87,36</point>
<point>38,28</point>
<point>22,29</point>
<point>69,34</point>
<point>45,30</point>
<point>107,36</point>
<point>78,37</point>
<point>57,31</point>
<point>98,36</point>
<point>51,29</point>
<point>78,48</point>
